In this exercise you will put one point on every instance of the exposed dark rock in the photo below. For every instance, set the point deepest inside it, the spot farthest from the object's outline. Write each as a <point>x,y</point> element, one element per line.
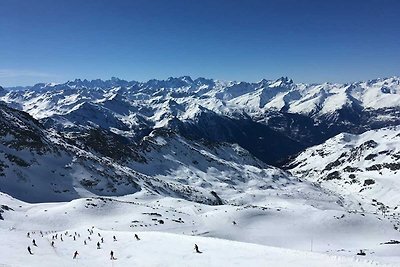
<point>369,182</point>
<point>332,176</point>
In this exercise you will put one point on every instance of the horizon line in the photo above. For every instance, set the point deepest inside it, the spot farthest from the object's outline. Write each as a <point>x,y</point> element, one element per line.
<point>199,77</point>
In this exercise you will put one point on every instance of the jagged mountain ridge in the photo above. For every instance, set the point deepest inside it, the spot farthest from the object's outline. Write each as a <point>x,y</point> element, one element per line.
<point>291,116</point>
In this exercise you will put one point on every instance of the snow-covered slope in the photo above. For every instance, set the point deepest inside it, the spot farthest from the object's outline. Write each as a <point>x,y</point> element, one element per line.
<point>286,227</point>
<point>364,167</point>
<point>39,165</point>
<point>161,249</point>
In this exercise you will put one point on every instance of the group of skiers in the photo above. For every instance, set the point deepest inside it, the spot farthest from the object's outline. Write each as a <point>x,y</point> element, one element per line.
<point>75,235</point>
<point>75,255</point>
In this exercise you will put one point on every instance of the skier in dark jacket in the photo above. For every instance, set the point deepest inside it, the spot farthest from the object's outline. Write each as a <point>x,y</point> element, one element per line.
<point>98,245</point>
<point>137,237</point>
<point>34,242</point>
<point>196,248</point>
<point>75,254</point>
<point>29,250</point>
<point>361,253</point>
<point>115,239</point>
<point>112,255</point>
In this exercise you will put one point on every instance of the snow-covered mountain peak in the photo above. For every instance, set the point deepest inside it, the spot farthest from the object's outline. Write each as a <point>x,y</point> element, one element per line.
<point>282,82</point>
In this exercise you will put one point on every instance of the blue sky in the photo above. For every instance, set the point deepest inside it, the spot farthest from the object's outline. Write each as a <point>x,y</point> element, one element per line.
<point>309,41</point>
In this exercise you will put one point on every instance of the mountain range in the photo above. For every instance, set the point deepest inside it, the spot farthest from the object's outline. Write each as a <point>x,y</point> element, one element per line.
<point>296,167</point>
<point>273,119</point>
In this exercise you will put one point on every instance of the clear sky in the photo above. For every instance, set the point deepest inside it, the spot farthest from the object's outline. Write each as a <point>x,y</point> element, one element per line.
<point>307,40</point>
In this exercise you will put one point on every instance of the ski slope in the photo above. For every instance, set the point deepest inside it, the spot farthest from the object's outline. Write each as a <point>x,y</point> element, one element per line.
<point>161,249</point>
<point>278,230</point>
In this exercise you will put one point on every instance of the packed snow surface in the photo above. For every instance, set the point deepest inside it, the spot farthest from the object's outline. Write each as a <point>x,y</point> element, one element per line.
<point>277,231</point>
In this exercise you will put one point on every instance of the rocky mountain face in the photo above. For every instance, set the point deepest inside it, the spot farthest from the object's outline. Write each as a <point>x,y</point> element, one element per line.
<point>272,119</point>
<point>42,165</point>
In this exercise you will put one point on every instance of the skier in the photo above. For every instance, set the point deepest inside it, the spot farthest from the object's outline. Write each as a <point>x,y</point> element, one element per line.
<point>29,250</point>
<point>98,245</point>
<point>361,253</point>
<point>102,240</point>
<point>52,243</point>
<point>61,238</point>
<point>137,237</point>
<point>34,242</point>
<point>99,234</point>
<point>75,254</point>
<point>28,235</point>
<point>196,248</point>
<point>112,255</point>
<point>74,238</point>
<point>115,239</point>
<point>89,238</point>
<point>84,242</point>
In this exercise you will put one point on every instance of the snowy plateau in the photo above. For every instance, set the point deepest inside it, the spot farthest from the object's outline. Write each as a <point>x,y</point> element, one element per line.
<point>271,173</point>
